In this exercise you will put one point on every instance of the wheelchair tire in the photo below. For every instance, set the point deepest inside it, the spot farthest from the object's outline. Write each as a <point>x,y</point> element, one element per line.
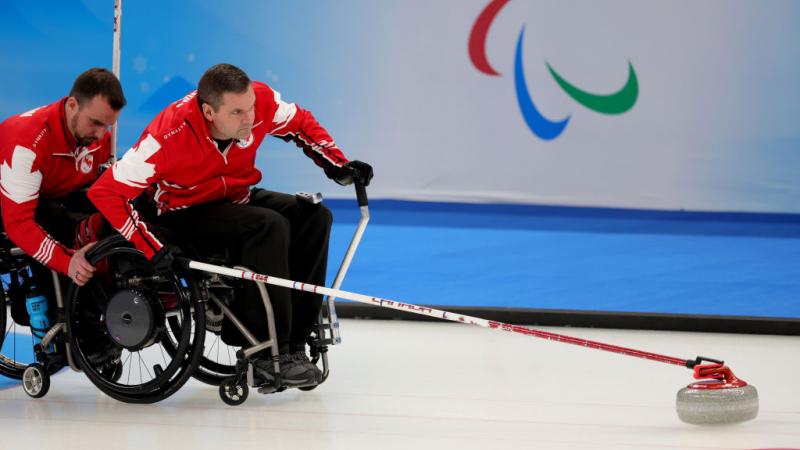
<point>35,381</point>
<point>3,312</point>
<point>233,391</point>
<point>16,346</point>
<point>93,310</point>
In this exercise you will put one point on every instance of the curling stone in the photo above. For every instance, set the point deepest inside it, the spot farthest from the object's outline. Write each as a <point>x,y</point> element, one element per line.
<point>722,399</point>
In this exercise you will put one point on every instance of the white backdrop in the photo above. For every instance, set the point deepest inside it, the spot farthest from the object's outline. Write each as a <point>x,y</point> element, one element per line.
<point>715,126</point>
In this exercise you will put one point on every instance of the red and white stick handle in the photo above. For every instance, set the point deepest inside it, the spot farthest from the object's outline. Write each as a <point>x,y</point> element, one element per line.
<point>115,69</point>
<point>431,312</point>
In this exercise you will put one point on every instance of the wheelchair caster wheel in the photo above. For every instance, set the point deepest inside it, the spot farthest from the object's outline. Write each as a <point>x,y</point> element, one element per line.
<point>35,381</point>
<point>233,392</point>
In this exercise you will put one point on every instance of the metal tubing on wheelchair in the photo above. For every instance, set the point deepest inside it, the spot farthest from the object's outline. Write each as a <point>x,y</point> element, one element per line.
<point>52,332</point>
<point>272,343</point>
<point>57,289</point>
<point>61,326</point>
<point>343,268</point>
<point>236,322</point>
<point>58,327</point>
<point>361,194</point>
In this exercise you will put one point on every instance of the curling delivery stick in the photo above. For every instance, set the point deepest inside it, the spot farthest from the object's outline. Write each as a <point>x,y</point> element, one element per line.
<point>439,314</point>
<point>720,398</point>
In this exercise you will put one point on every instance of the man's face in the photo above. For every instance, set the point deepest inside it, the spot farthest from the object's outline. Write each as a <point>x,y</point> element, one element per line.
<point>91,120</point>
<point>234,117</point>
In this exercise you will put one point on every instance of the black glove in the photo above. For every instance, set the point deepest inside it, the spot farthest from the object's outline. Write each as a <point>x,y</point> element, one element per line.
<point>103,167</point>
<point>354,171</point>
<point>168,258</point>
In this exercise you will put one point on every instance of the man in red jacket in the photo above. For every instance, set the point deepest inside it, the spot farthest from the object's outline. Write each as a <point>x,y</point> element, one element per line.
<point>197,160</point>
<point>47,155</point>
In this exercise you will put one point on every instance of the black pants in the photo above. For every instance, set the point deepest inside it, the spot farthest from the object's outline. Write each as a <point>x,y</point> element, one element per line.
<point>274,234</point>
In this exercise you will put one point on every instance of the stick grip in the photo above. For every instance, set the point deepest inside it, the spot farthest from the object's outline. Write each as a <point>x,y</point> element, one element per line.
<point>361,194</point>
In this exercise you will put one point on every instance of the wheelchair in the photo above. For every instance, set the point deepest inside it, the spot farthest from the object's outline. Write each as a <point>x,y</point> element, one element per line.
<point>20,357</point>
<point>229,365</point>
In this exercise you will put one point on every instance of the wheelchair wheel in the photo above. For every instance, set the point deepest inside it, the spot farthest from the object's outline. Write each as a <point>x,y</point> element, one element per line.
<point>3,313</point>
<point>233,391</point>
<point>218,361</point>
<point>117,325</point>
<point>35,381</point>
<point>16,344</point>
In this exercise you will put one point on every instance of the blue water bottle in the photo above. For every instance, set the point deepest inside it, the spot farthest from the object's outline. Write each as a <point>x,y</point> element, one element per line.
<point>36,304</point>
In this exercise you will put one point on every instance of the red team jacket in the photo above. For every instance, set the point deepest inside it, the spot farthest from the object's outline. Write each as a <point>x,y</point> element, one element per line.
<point>177,155</point>
<point>39,159</point>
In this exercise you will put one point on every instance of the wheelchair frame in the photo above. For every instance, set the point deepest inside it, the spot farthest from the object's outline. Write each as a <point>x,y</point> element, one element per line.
<point>234,390</point>
<point>36,376</point>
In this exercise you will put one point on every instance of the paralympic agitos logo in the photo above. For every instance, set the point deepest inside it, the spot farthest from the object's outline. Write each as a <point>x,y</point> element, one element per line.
<point>616,103</point>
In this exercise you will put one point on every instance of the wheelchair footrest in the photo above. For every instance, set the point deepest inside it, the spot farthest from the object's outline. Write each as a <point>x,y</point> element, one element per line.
<point>268,389</point>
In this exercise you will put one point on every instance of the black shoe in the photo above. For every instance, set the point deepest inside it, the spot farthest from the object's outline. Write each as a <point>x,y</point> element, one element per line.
<point>292,372</point>
<point>301,358</point>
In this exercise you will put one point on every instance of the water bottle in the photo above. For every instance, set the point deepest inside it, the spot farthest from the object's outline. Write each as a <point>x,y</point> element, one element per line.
<point>36,304</point>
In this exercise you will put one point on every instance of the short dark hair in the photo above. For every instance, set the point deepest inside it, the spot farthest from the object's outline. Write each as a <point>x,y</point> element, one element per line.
<point>218,80</point>
<point>98,81</point>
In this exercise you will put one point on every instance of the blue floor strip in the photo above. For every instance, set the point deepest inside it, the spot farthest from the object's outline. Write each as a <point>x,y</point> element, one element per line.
<point>19,347</point>
<point>574,259</point>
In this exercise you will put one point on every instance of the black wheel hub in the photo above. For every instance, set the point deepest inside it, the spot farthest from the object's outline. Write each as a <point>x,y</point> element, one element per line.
<point>131,320</point>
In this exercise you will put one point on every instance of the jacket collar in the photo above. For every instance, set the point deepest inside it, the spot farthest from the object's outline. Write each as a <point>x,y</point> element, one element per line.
<point>198,122</point>
<point>58,123</point>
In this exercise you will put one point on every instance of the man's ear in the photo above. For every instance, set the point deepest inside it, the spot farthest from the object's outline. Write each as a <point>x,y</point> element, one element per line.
<point>72,104</point>
<point>207,111</point>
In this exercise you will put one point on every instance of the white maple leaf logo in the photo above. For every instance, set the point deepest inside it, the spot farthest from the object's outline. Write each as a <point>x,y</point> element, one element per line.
<point>17,181</point>
<point>284,114</point>
<point>31,112</point>
<point>133,169</point>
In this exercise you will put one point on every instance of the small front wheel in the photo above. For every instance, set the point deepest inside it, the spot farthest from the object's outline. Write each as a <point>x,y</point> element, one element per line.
<point>35,381</point>
<point>232,391</point>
